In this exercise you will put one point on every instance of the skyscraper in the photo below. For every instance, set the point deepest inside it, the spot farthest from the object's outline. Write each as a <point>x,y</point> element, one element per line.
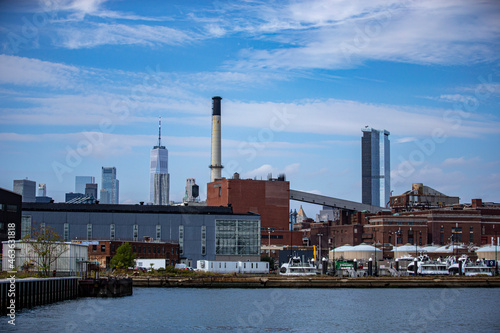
<point>81,182</point>
<point>375,167</point>
<point>42,190</point>
<point>110,184</point>
<point>26,188</point>
<point>159,179</point>
<point>91,190</point>
<point>192,190</point>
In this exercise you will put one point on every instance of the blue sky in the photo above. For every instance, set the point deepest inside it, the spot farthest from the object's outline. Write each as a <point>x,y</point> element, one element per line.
<point>82,84</point>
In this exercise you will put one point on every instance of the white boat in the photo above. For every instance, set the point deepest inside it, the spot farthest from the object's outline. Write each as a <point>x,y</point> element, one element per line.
<point>425,266</point>
<point>295,266</point>
<point>469,268</point>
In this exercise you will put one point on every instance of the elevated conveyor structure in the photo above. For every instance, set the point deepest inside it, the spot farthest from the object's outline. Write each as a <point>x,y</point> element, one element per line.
<point>332,202</point>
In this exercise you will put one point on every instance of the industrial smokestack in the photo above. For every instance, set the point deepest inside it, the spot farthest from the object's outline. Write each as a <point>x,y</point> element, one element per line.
<point>216,165</point>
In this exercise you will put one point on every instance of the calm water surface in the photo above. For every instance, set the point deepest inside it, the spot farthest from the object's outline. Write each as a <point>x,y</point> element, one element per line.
<point>271,310</point>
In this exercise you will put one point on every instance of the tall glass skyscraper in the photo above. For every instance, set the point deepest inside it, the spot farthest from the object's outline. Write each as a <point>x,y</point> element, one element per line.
<point>81,182</point>
<point>375,167</point>
<point>110,185</point>
<point>159,179</point>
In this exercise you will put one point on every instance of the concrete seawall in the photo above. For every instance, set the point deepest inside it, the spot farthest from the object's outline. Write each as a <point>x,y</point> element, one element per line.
<point>317,282</point>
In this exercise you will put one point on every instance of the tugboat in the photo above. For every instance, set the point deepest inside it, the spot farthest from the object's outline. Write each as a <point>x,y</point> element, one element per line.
<point>295,266</point>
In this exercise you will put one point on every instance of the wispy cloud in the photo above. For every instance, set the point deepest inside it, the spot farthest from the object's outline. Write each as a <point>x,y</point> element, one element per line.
<point>33,72</point>
<point>344,34</point>
<point>97,34</point>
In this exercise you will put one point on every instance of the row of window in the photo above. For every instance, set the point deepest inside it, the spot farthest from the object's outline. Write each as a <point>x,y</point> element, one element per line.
<point>139,249</point>
<point>8,208</point>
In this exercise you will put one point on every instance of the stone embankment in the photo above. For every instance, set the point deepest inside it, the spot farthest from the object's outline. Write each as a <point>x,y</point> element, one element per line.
<point>316,282</point>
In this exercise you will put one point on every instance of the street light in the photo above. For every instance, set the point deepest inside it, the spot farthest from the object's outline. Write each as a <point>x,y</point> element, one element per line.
<point>319,235</point>
<point>269,239</point>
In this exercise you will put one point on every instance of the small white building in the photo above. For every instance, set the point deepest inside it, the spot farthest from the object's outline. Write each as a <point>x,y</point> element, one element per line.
<point>151,263</point>
<point>20,255</point>
<point>255,267</point>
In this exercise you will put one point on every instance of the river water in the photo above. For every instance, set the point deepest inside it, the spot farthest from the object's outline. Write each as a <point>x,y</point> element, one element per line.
<point>271,310</point>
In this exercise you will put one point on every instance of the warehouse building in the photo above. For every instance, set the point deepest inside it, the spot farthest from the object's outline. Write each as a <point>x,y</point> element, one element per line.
<point>203,233</point>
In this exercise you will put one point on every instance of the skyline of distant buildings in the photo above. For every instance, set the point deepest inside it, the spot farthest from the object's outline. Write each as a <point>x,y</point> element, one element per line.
<point>375,167</point>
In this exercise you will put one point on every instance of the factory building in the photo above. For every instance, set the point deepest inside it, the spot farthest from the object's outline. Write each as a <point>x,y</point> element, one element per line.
<point>203,233</point>
<point>420,198</point>
<point>268,198</point>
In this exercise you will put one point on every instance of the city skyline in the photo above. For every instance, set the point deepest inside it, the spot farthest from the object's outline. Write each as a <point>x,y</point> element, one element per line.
<point>83,83</point>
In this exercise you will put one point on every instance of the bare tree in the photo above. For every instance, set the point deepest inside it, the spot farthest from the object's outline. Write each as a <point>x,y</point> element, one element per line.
<point>44,247</point>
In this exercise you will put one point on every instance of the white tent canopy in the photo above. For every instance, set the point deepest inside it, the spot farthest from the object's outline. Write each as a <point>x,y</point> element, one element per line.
<point>361,252</point>
<point>488,252</point>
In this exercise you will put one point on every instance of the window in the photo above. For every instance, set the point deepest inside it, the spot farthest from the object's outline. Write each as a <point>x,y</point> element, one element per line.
<point>139,249</point>
<point>181,239</point>
<point>89,231</point>
<point>237,237</point>
<point>112,231</point>
<point>471,235</point>
<point>203,240</point>
<point>154,249</point>
<point>94,248</point>
<point>66,232</point>
<point>158,232</point>
<point>220,191</point>
<point>456,233</point>
<point>103,248</point>
<point>136,232</point>
<point>12,208</point>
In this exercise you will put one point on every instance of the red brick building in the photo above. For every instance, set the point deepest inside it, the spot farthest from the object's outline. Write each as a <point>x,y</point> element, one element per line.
<point>103,251</point>
<point>473,224</point>
<point>268,198</point>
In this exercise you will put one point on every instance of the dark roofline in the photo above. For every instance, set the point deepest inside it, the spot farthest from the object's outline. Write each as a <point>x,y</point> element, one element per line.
<point>9,191</point>
<point>33,206</point>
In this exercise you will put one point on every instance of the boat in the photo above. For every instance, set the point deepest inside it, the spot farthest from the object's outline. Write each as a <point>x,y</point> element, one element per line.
<point>425,266</point>
<point>470,268</point>
<point>296,266</point>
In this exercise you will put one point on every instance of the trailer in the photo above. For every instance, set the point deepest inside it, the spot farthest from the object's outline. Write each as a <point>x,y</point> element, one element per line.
<point>146,263</point>
<point>251,267</point>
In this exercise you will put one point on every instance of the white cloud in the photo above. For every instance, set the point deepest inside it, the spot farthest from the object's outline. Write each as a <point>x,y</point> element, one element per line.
<point>459,161</point>
<point>264,170</point>
<point>344,117</point>
<point>458,98</point>
<point>344,34</point>
<point>33,72</point>
<point>93,35</point>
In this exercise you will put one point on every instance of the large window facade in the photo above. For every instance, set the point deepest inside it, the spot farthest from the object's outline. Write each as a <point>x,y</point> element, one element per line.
<point>237,237</point>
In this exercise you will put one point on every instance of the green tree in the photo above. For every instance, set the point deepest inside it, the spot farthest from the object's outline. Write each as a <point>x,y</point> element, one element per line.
<point>124,257</point>
<point>44,247</point>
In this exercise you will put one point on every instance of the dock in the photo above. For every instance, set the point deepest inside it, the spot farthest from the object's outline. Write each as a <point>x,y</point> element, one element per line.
<point>316,282</point>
